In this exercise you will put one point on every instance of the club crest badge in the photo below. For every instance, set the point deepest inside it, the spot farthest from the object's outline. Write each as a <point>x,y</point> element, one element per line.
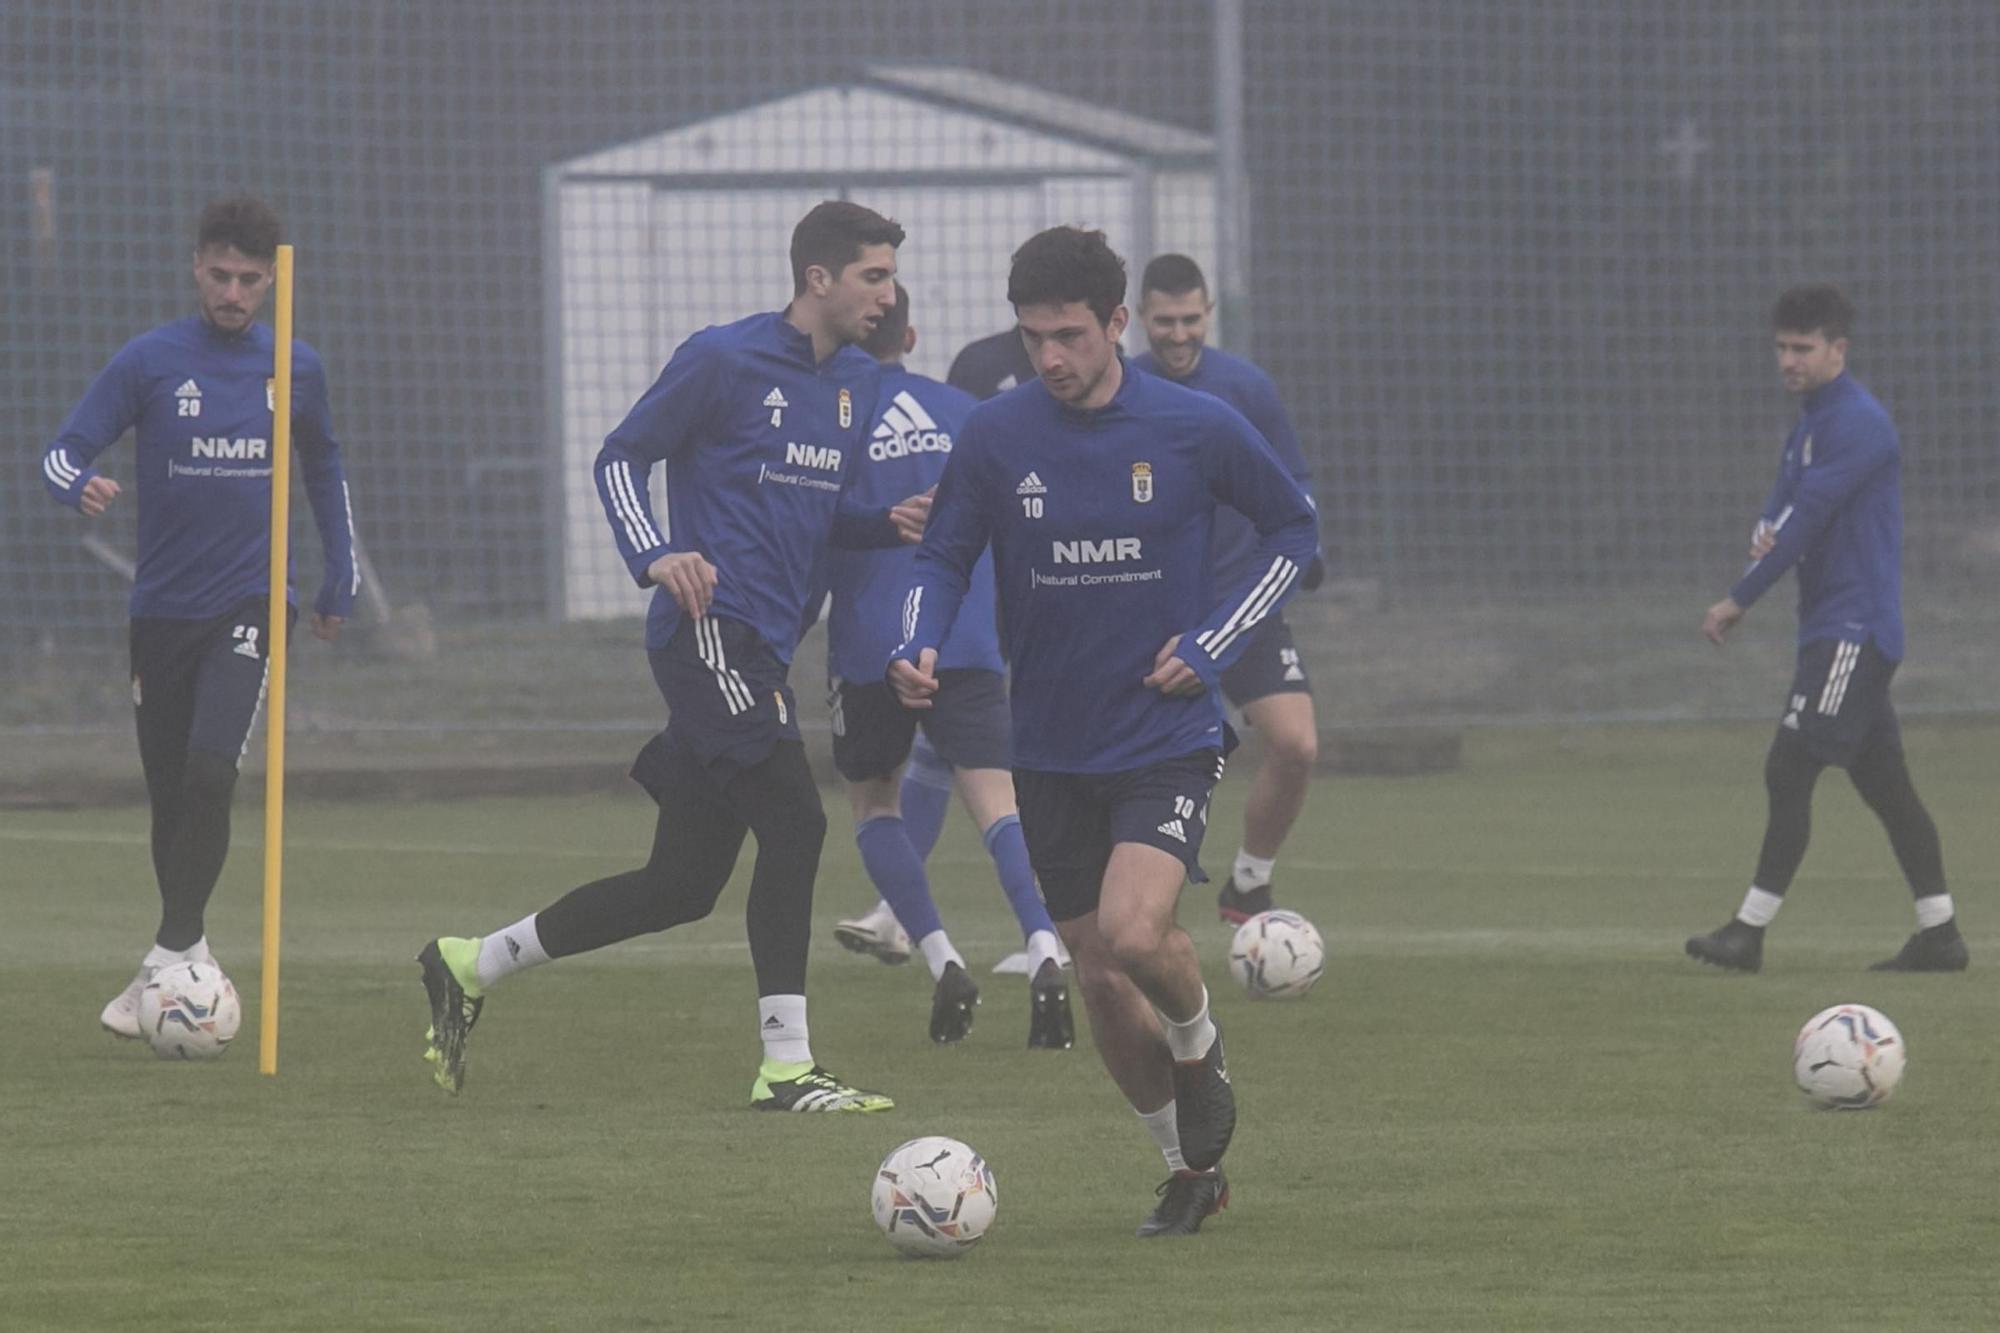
<point>846,409</point>
<point>1142,483</point>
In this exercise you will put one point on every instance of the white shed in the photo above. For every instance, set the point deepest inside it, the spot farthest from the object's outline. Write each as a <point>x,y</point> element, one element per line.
<point>647,242</point>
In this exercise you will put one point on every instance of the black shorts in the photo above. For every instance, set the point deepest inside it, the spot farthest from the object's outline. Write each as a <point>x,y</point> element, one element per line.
<point>967,724</point>
<point>1839,697</point>
<point>197,684</point>
<point>727,700</point>
<point>1270,665</point>
<point>1072,821</point>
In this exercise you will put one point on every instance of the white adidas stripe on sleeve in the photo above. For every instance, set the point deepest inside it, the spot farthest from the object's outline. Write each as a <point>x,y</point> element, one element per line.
<point>632,488</point>
<point>617,495</point>
<point>353,549</point>
<point>1252,609</point>
<point>625,503</point>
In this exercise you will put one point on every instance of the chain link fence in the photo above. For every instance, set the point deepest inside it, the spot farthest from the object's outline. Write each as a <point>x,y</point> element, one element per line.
<point>1509,264</point>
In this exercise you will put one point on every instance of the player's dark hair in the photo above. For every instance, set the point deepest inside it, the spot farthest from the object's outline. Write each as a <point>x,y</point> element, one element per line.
<point>1172,275</point>
<point>1065,264</point>
<point>832,236</point>
<point>242,221</point>
<point>1814,308</point>
<point>886,342</point>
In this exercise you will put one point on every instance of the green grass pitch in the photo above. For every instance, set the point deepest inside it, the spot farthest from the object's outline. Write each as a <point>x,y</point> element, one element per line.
<point>1510,1104</point>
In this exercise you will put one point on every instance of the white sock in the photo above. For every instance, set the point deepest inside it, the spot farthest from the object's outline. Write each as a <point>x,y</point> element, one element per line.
<point>1934,910</point>
<point>1164,1126</point>
<point>1759,907</point>
<point>157,958</point>
<point>1041,948</point>
<point>1191,1040</point>
<point>937,951</point>
<point>505,952</point>
<point>781,1021</point>
<point>1252,872</point>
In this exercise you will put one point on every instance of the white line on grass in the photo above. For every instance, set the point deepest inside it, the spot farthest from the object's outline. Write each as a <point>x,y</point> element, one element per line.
<point>1552,872</point>
<point>104,839</point>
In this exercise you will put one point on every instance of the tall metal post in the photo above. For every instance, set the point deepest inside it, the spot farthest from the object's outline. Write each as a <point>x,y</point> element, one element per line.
<point>1232,183</point>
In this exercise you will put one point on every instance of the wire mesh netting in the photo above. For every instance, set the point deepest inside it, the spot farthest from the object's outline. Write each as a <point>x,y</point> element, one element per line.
<point>1510,265</point>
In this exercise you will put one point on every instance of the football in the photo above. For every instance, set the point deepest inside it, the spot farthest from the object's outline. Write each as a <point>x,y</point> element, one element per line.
<point>189,1011</point>
<point>1848,1058</point>
<point>934,1198</point>
<point>1277,955</point>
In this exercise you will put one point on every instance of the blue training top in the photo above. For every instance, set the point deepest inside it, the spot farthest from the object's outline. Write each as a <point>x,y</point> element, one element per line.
<point>906,455</point>
<point>200,400</point>
<point>760,442</point>
<point>1099,523</point>
<point>1838,510</point>
<point>1245,387</point>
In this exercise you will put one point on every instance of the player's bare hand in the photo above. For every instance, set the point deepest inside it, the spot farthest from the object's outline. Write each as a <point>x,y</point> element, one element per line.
<point>327,628</point>
<point>98,493</point>
<point>688,578</point>
<point>1762,538</point>
<point>914,684</point>
<point>1171,676</point>
<point>911,515</point>
<point>1721,619</point>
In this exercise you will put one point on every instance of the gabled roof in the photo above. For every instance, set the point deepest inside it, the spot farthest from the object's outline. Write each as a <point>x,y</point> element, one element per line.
<point>955,85</point>
<point>847,129</point>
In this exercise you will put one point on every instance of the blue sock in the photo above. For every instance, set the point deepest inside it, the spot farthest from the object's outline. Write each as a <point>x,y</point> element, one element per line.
<point>1009,851</point>
<point>898,873</point>
<point>925,798</point>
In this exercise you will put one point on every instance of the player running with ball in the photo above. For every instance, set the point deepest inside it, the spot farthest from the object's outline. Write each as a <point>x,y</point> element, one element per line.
<point>1096,487</point>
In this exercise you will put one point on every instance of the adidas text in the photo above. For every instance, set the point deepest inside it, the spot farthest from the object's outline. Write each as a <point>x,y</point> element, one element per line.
<point>887,444</point>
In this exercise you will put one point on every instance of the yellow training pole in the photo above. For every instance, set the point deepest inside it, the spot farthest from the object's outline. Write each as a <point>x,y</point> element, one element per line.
<point>274,649</point>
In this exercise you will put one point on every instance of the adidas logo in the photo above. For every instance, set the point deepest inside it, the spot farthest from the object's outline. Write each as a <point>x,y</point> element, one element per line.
<point>1031,485</point>
<point>513,946</point>
<point>188,390</point>
<point>775,398</point>
<point>1791,720</point>
<point>907,429</point>
<point>773,1021</point>
<point>1175,830</point>
<point>907,414</point>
